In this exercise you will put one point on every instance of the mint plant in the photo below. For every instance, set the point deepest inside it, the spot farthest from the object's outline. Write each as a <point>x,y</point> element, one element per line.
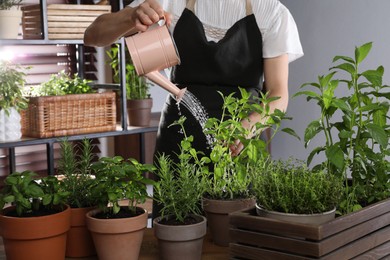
<point>355,128</point>
<point>229,178</point>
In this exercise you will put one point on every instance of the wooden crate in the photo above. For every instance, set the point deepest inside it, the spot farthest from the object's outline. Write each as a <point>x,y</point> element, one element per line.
<point>65,21</point>
<point>364,234</point>
<point>54,116</point>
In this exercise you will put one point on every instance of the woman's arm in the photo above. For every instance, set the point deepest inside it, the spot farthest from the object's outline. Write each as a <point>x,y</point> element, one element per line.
<point>276,78</point>
<point>108,28</point>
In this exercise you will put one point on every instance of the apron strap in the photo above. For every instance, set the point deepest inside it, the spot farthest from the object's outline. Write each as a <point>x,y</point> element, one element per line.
<point>248,7</point>
<point>191,6</point>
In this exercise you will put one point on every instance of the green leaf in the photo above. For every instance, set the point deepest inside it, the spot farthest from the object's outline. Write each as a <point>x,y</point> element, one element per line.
<point>346,67</point>
<point>336,156</point>
<point>374,76</point>
<point>345,58</point>
<point>291,132</point>
<point>311,131</point>
<point>362,52</point>
<point>378,134</point>
<point>315,151</point>
<point>339,103</point>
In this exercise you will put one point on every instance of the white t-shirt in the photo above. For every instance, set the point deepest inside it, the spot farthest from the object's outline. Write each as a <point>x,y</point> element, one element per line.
<point>277,26</point>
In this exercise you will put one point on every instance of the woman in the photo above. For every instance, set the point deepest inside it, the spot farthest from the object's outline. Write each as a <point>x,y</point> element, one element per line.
<point>223,45</point>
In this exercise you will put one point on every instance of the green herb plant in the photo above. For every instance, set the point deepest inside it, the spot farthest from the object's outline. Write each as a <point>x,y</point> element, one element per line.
<point>181,185</point>
<point>355,126</point>
<point>229,178</point>
<point>74,168</point>
<point>31,194</point>
<point>136,86</point>
<point>63,84</point>
<point>291,187</point>
<point>12,81</point>
<point>118,179</point>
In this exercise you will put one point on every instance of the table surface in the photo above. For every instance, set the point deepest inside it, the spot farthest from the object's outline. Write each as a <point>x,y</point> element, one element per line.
<point>149,249</point>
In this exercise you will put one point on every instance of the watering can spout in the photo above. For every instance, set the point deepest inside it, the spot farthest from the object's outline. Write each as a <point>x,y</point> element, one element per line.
<point>163,82</point>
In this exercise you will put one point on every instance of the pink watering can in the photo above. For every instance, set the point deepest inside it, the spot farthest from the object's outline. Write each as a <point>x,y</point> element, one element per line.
<point>152,51</point>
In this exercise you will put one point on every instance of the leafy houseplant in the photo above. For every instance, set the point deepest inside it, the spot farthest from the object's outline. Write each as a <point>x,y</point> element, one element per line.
<point>38,217</point>
<point>229,180</point>
<point>291,187</point>
<point>118,179</point>
<point>136,87</point>
<point>179,190</point>
<point>355,127</point>
<point>139,102</point>
<point>63,84</point>
<point>30,197</point>
<point>12,101</point>
<point>12,80</point>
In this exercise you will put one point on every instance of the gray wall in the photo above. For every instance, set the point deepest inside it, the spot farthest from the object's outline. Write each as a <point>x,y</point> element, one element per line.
<point>329,28</point>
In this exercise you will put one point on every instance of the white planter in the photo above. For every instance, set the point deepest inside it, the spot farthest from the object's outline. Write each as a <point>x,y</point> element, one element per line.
<point>10,23</point>
<point>10,126</point>
<point>312,219</point>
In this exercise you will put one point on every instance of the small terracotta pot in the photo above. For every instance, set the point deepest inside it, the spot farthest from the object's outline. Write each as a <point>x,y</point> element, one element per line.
<point>79,242</point>
<point>35,238</point>
<point>139,111</point>
<point>118,239</point>
<point>180,241</point>
<point>217,213</point>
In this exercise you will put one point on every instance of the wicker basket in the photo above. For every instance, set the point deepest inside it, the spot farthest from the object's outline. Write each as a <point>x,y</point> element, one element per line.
<point>54,116</point>
<point>65,21</point>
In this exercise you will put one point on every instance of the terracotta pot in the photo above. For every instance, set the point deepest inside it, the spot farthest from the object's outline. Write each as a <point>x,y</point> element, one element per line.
<point>217,213</point>
<point>35,238</point>
<point>181,241</point>
<point>118,239</point>
<point>139,111</point>
<point>79,242</point>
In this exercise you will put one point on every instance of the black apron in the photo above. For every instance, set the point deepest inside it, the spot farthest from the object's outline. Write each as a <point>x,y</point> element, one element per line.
<point>207,67</point>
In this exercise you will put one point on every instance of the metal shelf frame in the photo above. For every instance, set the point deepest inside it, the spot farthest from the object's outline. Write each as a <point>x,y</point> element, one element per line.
<point>49,142</point>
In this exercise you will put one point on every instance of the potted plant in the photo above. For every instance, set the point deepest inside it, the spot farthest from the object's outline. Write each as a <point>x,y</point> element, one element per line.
<point>181,227</point>
<point>67,105</point>
<point>139,102</point>
<point>74,172</point>
<point>228,186</point>
<point>117,231</point>
<point>290,191</point>
<point>36,224</point>
<point>12,100</point>
<point>355,126</point>
<point>10,19</point>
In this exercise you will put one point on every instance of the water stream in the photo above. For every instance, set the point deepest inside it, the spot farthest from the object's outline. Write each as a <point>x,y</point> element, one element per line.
<point>189,101</point>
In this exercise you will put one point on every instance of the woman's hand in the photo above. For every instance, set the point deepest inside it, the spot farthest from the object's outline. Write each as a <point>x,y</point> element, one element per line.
<point>108,28</point>
<point>148,13</point>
